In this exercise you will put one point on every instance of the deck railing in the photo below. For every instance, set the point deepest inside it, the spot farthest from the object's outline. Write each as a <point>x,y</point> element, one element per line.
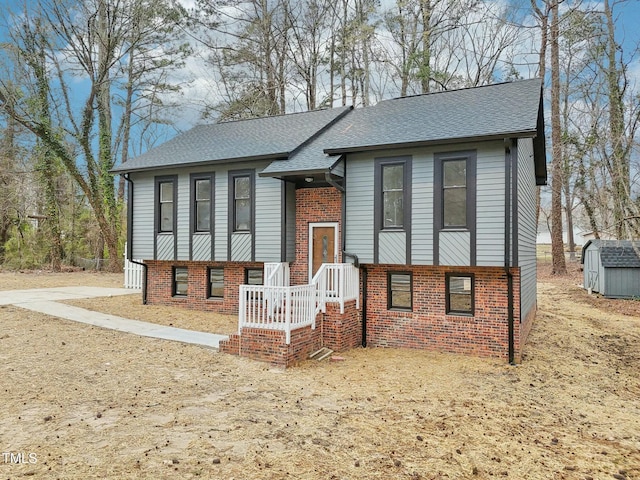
<point>276,274</point>
<point>277,307</point>
<point>337,282</point>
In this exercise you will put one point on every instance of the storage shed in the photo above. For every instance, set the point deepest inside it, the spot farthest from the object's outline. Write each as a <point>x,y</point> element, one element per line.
<point>612,268</point>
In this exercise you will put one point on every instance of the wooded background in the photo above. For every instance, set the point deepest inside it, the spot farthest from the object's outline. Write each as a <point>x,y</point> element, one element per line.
<point>87,84</point>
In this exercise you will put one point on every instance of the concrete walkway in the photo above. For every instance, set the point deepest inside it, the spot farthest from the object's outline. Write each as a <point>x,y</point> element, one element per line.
<point>44,300</point>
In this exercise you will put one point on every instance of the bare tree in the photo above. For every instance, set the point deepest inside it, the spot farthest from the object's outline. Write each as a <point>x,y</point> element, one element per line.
<point>89,40</point>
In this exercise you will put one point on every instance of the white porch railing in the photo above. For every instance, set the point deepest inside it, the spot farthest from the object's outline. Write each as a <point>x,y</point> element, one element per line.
<point>276,274</point>
<point>337,282</point>
<point>277,307</point>
<point>132,272</point>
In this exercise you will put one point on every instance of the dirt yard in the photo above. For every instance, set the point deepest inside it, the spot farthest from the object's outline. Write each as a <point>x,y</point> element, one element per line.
<point>80,402</point>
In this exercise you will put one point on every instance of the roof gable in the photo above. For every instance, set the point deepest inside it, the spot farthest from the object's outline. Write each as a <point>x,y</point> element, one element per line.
<point>503,110</point>
<point>241,140</point>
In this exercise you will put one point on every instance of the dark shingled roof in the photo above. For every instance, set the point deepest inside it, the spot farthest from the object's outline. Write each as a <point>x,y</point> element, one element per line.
<point>616,253</point>
<point>312,142</point>
<point>494,111</point>
<point>242,140</point>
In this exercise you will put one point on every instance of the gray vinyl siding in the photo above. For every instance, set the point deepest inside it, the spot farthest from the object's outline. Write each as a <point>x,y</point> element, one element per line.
<point>392,247</point>
<point>241,247</point>
<point>201,250</point>
<point>455,248</point>
<point>268,228</point>
<point>359,215</point>
<point>182,234</point>
<point>220,215</point>
<point>490,204</point>
<point>143,207</point>
<point>290,228</point>
<point>422,209</point>
<point>165,248</point>
<point>268,221</point>
<point>527,227</point>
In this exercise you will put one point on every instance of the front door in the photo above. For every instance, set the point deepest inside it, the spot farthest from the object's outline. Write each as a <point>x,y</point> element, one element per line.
<point>323,247</point>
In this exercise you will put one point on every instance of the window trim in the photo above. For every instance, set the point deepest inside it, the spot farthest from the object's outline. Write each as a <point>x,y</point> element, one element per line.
<point>210,296</point>
<point>460,313</point>
<point>174,282</point>
<point>378,204</point>
<point>445,188</point>
<point>195,177</point>
<point>470,156</point>
<point>438,209</point>
<point>173,179</point>
<point>390,305</point>
<point>232,199</point>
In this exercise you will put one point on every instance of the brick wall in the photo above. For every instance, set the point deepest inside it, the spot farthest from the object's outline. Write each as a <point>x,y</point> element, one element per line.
<point>160,282</point>
<point>429,327</point>
<point>342,331</point>
<point>270,345</point>
<point>313,205</point>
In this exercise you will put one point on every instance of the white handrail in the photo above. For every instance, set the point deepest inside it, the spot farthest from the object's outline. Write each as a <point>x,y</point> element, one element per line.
<point>276,274</point>
<point>337,282</point>
<point>277,307</point>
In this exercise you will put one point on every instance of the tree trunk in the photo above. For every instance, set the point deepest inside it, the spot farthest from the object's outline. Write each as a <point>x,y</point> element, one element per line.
<point>557,244</point>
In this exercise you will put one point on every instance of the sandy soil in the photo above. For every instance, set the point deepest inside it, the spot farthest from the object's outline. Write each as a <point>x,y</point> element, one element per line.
<point>80,402</point>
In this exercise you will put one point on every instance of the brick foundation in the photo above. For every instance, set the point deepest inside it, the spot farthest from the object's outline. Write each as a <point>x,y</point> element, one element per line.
<point>270,345</point>
<point>342,331</point>
<point>429,327</point>
<point>160,282</point>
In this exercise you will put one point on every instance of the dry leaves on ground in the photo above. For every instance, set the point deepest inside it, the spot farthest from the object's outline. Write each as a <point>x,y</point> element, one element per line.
<point>92,403</point>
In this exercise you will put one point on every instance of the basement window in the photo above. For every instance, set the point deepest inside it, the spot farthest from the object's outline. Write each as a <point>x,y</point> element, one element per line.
<point>180,281</point>
<point>460,294</point>
<point>400,291</point>
<point>216,283</point>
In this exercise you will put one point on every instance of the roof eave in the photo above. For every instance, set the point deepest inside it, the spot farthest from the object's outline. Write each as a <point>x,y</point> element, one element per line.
<point>428,143</point>
<point>256,158</point>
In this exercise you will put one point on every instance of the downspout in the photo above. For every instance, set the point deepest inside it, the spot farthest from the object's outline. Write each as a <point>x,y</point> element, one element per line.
<point>507,248</point>
<point>364,306</point>
<point>130,239</point>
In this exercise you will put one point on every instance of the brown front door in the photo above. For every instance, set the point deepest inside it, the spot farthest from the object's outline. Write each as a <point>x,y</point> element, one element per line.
<point>323,247</point>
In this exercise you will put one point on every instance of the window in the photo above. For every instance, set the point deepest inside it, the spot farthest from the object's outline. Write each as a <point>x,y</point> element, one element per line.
<point>460,294</point>
<point>454,193</point>
<point>242,203</point>
<point>180,281</point>
<point>253,276</point>
<point>400,291</point>
<point>166,206</point>
<point>216,283</point>
<point>392,196</point>
<point>202,204</point>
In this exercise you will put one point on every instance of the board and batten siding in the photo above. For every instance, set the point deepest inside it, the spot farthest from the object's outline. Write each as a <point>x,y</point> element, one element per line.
<point>527,227</point>
<point>268,216</point>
